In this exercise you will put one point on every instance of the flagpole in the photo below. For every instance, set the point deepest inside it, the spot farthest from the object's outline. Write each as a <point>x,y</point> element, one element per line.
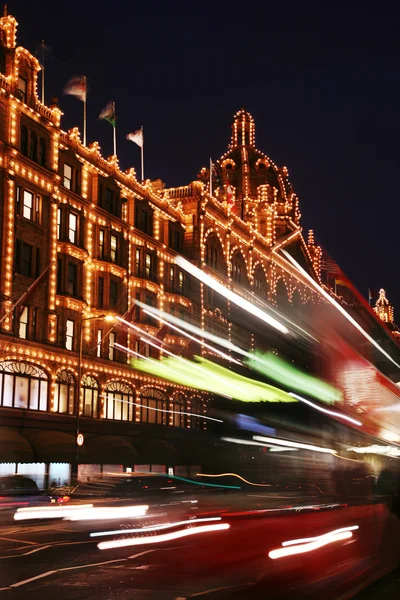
<point>42,71</point>
<point>210,177</point>
<point>84,115</point>
<point>26,293</point>
<point>115,132</point>
<point>142,154</point>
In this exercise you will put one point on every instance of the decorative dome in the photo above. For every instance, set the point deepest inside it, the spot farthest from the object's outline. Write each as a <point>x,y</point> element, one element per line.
<point>247,169</point>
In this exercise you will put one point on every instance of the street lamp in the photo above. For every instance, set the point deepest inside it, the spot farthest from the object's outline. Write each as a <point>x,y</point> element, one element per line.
<point>109,319</point>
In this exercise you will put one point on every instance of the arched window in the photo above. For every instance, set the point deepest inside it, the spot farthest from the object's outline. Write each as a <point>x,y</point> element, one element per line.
<point>260,283</point>
<point>42,152</point>
<point>177,407</point>
<point>64,394</point>
<point>23,385</point>
<point>33,146</point>
<point>197,408</point>
<point>24,140</point>
<point>282,299</point>
<point>119,401</point>
<point>239,269</point>
<point>90,388</point>
<point>154,406</point>
<point>214,254</point>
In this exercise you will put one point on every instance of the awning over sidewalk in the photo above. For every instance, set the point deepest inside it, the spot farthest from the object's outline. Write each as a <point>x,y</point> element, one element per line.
<point>110,449</point>
<point>157,452</point>
<point>14,447</point>
<point>55,446</point>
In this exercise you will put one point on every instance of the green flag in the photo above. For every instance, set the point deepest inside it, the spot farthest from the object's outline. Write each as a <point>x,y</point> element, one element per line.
<point>108,113</point>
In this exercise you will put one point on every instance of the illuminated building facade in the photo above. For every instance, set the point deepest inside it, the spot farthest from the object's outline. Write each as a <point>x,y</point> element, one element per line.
<point>102,241</point>
<point>236,232</point>
<point>385,312</point>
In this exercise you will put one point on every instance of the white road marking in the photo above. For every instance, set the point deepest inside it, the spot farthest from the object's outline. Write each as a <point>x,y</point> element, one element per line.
<point>25,581</point>
<point>53,545</point>
<point>48,573</point>
<point>14,540</point>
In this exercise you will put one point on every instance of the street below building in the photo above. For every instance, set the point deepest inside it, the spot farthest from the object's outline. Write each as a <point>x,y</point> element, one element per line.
<point>59,559</point>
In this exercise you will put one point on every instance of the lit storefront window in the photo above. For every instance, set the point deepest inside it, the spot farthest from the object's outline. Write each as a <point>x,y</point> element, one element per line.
<point>23,385</point>
<point>154,406</point>
<point>119,401</point>
<point>64,393</point>
<point>90,388</point>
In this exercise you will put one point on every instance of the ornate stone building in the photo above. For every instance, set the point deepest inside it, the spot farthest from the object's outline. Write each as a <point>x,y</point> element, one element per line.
<point>100,240</point>
<point>88,240</point>
<point>385,312</point>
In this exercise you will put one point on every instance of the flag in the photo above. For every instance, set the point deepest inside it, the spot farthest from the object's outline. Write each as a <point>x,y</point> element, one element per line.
<point>137,137</point>
<point>108,113</point>
<point>76,87</point>
<point>214,173</point>
<point>229,195</point>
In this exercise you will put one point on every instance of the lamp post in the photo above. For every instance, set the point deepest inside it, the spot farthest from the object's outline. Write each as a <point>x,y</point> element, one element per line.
<point>108,318</point>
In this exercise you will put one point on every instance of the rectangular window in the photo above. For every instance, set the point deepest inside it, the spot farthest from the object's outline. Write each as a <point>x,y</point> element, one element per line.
<point>22,85</point>
<point>38,266</point>
<point>113,293</point>
<point>26,260</point>
<point>73,228</point>
<point>172,278</point>
<point>72,279</point>
<point>114,248</point>
<point>23,323</point>
<point>144,221</point>
<point>148,266</point>
<point>177,241</point>
<point>67,176</point>
<point>100,293</point>
<point>59,214</point>
<point>99,339</point>
<point>111,349</point>
<point>137,262</point>
<point>137,308</point>
<point>69,334</point>
<point>101,243</point>
<point>180,281</point>
<point>59,276</point>
<point>27,206</point>
<point>42,152</point>
<point>108,200</point>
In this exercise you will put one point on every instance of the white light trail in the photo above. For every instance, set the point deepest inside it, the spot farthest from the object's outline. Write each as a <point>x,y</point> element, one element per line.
<point>251,443</point>
<point>166,537</point>
<point>81,512</point>
<point>291,444</point>
<point>230,295</point>
<point>47,512</point>
<point>332,413</point>
<point>191,337</point>
<point>303,548</point>
<point>338,307</point>
<point>194,329</point>
<point>166,410</point>
<point>154,527</point>
<point>318,537</point>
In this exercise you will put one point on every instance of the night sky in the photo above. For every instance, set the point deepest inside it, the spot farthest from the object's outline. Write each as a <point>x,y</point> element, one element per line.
<point>321,81</point>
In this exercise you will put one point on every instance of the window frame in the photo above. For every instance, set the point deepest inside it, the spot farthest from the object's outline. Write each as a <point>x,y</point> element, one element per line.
<point>69,334</point>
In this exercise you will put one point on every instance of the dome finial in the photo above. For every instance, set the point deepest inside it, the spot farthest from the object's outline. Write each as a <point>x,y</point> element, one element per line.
<point>243,129</point>
<point>5,11</point>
